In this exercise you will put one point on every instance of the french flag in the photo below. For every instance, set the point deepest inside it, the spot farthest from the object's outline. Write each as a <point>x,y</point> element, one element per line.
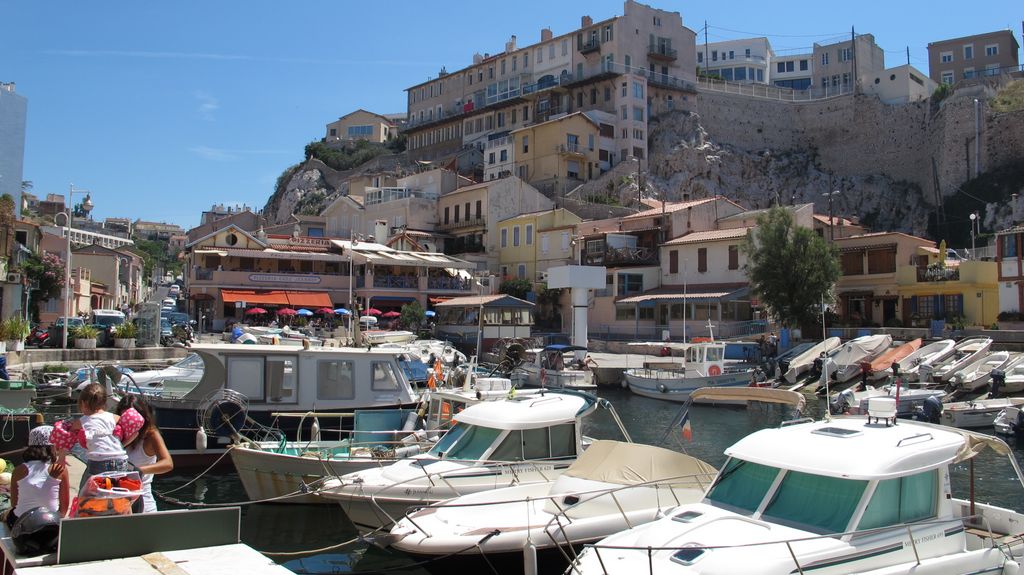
<point>686,429</point>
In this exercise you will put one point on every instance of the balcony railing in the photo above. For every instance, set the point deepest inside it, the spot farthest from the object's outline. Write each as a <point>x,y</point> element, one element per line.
<point>497,142</point>
<point>591,45</point>
<point>448,283</point>
<point>461,224</point>
<point>934,274</point>
<point>569,149</point>
<point>622,256</point>
<point>396,282</point>
<point>661,52</point>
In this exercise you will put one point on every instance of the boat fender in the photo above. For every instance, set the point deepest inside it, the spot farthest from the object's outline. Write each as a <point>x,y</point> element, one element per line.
<point>201,440</point>
<point>314,431</point>
<point>529,559</point>
<point>411,421</point>
<point>407,451</point>
<point>662,388</point>
<point>415,437</point>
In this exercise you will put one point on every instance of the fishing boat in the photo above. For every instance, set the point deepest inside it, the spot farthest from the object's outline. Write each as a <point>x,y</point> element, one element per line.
<point>976,412</point>
<point>844,495</point>
<point>925,355</point>
<point>979,373</point>
<point>881,366</point>
<point>243,385</point>
<point>704,366</point>
<point>518,441</point>
<point>849,358</point>
<point>280,471</point>
<point>793,368</point>
<point>610,487</point>
<point>966,352</point>
<point>554,367</point>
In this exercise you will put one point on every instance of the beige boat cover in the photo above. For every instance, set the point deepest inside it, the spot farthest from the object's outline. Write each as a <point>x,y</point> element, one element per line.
<point>632,463</point>
<point>764,394</point>
<point>975,443</point>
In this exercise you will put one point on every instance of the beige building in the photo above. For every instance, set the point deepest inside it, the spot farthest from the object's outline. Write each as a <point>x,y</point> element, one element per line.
<point>900,85</point>
<point>837,67</point>
<point>560,154</point>
<point>469,215</point>
<point>558,75</point>
<point>533,242</point>
<point>989,54</point>
<point>361,125</point>
<point>867,290</point>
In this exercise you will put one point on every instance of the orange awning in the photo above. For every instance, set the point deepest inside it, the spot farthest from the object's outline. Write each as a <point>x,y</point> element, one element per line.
<point>309,299</point>
<point>262,297</point>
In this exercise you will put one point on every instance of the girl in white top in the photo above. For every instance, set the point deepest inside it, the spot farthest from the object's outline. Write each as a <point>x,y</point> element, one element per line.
<point>39,481</point>
<point>146,451</point>
<point>104,449</point>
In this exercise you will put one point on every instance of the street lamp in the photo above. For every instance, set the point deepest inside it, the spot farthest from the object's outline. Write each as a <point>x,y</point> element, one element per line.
<point>975,231</point>
<point>68,214</point>
<point>831,218</point>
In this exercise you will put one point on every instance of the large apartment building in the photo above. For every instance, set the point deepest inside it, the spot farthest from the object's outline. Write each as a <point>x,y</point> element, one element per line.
<point>989,54</point>
<point>747,60</point>
<point>839,66</point>
<point>585,69</point>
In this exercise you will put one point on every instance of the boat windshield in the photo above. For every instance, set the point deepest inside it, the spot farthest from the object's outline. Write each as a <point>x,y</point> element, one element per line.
<point>191,361</point>
<point>742,484</point>
<point>467,442</point>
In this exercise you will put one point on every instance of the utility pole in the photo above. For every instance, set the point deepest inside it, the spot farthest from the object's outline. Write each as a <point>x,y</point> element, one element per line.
<point>977,137</point>
<point>853,53</point>
<point>706,43</point>
<point>831,218</point>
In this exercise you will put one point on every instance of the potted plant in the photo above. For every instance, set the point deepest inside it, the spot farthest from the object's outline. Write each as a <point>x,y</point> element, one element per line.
<point>85,336</point>
<point>14,331</point>
<point>125,334</point>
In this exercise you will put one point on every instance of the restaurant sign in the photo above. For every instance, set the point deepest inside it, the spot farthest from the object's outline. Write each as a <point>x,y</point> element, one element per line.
<point>283,279</point>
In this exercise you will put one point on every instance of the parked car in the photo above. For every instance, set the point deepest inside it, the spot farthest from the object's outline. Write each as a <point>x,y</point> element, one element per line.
<point>169,301</point>
<point>106,320</point>
<point>56,330</point>
<point>174,290</point>
<point>177,318</point>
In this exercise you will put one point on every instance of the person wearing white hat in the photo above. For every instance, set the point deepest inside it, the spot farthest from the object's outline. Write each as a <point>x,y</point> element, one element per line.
<point>40,481</point>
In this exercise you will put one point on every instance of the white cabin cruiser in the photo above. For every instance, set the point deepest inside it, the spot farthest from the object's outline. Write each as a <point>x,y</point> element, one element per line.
<point>848,359</point>
<point>704,366</point>
<point>966,352</point>
<point>612,486</point>
<point>847,495</point>
<point>554,367</point>
<point>526,439</point>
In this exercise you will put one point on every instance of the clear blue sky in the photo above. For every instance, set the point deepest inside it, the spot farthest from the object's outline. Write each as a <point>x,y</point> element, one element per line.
<point>162,108</point>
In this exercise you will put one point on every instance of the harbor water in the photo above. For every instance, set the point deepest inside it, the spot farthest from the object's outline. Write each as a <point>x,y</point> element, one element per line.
<point>292,534</point>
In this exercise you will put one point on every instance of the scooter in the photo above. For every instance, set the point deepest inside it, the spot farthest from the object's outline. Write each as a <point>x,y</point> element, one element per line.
<point>38,337</point>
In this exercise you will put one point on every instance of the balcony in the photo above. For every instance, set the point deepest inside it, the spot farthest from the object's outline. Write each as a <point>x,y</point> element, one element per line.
<point>448,283</point>
<point>268,280</point>
<point>396,282</point>
<point>936,274</point>
<point>622,256</point>
<point>661,52</point>
<point>591,45</point>
<point>570,149</point>
<point>498,142</point>
<point>479,221</point>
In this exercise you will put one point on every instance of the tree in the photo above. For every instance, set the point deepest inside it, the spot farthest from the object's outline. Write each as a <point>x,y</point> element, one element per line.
<point>412,315</point>
<point>46,276</point>
<point>516,287</point>
<point>790,267</point>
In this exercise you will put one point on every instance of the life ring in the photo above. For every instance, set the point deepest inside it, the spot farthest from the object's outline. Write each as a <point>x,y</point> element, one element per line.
<point>714,370</point>
<point>662,388</point>
<point>543,377</point>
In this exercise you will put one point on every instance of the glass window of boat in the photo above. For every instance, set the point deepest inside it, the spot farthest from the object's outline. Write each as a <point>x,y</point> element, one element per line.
<point>816,502</point>
<point>384,377</point>
<point>742,484</point>
<point>901,500</point>
<point>282,379</point>
<point>191,361</point>
<point>471,442</point>
<point>335,379</point>
<point>555,442</point>
<point>714,353</point>
<point>245,375</point>
<point>446,441</point>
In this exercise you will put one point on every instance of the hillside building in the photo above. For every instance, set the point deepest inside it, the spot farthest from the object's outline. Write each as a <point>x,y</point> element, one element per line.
<point>969,57</point>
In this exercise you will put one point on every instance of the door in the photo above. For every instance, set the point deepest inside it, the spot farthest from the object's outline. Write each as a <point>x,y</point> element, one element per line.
<point>888,310</point>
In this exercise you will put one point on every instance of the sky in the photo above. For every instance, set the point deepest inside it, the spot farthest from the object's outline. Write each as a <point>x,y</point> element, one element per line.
<point>161,109</point>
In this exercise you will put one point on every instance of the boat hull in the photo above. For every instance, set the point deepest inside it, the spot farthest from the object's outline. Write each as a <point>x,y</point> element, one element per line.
<point>679,389</point>
<point>550,559</point>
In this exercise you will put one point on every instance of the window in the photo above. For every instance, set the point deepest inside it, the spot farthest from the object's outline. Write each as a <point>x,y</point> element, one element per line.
<point>845,54</point>
<point>526,144</point>
<point>901,500</point>
<point>742,485</point>
<point>515,60</point>
<point>503,156</point>
<point>526,60</point>
<point>606,33</point>
<point>824,58</point>
<point>521,270</point>
<point>607,93</point>
<point>515,236</point>
<point>334,132</point>
<point>590,142</point>
<point>565,47</point>
<point>1008,246</point>
<point>853,263</point>
<point>540,55</point>
<point>529,234</point>
<point>992,50</point>
<point>625,113</point>
<point>947,77</point>
<point>673,262</point>
<point>623,313</point>
<point>490,158</point>
<point>565,241</point>
<point>780,67</point>
<point>245,375</point>
<point>714,55</point>
<point>479,209</point>
<point>638,90</point>
<point>638,114</point>
<point>734,257</point>
<point>882,261</point>
<point>700,58</point>
<point>702,260</point>
<point>846,78</point>
<point>334,379</point>
<point>630,284</point>
<point>551,51</point>
<point>968,73</point>
<point>803,66</point>
<point>969,52</point>
<point>281,379</point>
<point>501,119</point>
<point>457,213</point>
<point>467,211</point>
<point>504,237</point>
<point>823,504</point>
<point>732,55</point>
<point>503,67</point>
<point>760,75</point>
<point>446,215</point>
<point>946,57</point>
<point>544,244</point>
<point>384,377</point>
<point>646,313</point>
<point>991,70</point>
<point>467,442</point>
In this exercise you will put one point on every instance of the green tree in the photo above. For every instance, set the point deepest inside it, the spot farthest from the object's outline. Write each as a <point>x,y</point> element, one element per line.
<point>516,287</point>
<point>413,315</point>
<point>790,267</point>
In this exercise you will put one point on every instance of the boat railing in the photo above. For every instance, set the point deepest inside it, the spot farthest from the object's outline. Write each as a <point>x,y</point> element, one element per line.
<point>694,480</point>
<point>908,527</point>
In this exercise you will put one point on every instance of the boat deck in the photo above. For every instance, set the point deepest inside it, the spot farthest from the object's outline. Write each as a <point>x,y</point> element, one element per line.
<point>237,558</point>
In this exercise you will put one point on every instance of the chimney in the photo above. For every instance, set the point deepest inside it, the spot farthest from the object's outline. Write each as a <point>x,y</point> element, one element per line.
<point>380,231</point>
<point>477,58</point>
<point>545,34</point>
<point>586,21</point>
<point>510,46</point>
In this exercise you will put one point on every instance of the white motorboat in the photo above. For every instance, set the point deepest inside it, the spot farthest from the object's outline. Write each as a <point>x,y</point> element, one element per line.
<point>612,486</point>
<point>845,495</point>
<point>186,371</point>
<point>976,412</point>
<point>288,471</point>
<point>377,337</point>
<point>554,367</point>
<point>704,366</point>
<point>848,358</point>
<point>966,352</point>
<point>908,399</point>
<point>925,355</point>
<point>423,349</point>
<point>978,373</point>
<point>526,439</point>
<point>803,363</point>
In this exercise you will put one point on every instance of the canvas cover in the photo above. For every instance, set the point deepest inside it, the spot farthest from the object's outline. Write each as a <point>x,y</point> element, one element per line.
<point>763,394</point>
<point>632,463</point>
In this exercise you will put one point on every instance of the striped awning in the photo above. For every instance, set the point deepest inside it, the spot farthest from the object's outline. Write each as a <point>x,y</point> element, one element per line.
<point>682,297</point>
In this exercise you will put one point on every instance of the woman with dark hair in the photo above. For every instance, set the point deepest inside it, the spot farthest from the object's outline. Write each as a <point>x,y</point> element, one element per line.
<point>40,481</point>
<point>146,451</point>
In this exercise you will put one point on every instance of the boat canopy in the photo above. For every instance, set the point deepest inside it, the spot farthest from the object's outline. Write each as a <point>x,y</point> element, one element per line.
<point>633,463</point>
<point>564,348</point>
<point>528,412</point>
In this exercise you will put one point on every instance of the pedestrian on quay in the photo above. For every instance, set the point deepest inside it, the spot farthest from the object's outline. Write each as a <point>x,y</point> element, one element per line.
<point>147,451</point>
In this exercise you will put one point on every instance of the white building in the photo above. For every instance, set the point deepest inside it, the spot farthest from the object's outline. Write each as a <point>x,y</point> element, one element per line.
<point>792,70</point>
<point>747,60</point>
<point>13,111</point>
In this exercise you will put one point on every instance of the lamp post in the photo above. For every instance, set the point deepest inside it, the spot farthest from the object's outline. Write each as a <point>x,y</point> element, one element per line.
<point>831,218</point>
<point>975,230</point>
<point>68,214</point>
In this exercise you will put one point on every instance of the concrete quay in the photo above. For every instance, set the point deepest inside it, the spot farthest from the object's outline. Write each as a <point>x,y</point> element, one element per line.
<point>33,358</point>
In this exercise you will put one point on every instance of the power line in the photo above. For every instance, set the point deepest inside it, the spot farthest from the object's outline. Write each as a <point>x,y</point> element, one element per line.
<point>829,34</point>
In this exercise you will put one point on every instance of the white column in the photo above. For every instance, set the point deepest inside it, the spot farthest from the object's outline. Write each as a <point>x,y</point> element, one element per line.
<point>579,319</point>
